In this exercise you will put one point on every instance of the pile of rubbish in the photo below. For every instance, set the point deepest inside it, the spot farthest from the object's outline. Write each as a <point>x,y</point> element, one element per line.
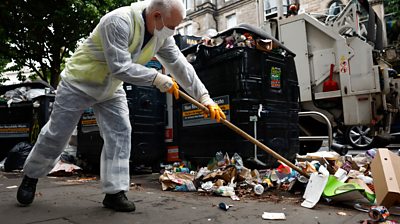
<point>227,176</point>
<point>231,41</point>
<point>337,179</point>
<point>237,37</point>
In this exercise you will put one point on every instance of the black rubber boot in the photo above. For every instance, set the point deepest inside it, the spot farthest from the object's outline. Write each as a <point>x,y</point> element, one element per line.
<point>26,191</point>
<point>118,202</point>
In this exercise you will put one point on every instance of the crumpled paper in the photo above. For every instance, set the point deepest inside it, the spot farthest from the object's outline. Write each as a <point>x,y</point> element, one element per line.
<point>171,180</point>
<point>227,175</point>
<point>63,169</point>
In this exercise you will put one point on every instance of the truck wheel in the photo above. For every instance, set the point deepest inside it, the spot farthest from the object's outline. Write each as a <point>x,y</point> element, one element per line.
<point>360,137</point>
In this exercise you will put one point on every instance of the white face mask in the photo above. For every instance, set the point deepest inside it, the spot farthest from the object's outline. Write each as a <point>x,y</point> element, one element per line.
<point>164,33</point>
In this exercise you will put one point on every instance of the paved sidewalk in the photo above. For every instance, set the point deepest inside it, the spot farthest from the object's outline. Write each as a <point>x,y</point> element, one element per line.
<point>66,200</point>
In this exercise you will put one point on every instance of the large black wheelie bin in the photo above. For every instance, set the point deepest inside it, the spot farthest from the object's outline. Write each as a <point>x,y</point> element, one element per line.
<point>258,91</point>
<point>21,120</point>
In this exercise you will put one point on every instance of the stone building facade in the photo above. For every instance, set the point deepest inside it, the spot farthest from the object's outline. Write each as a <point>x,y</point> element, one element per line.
<point>203,15</point>
<point>206,15</point>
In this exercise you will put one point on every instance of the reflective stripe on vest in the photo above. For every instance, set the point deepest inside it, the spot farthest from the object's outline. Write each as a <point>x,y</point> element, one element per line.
<point>83,66</point>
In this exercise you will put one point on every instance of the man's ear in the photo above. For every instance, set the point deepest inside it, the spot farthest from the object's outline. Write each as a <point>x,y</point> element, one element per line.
<point>157,14</point>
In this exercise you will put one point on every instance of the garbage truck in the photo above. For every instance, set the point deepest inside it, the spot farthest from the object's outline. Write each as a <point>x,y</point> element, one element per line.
<point>341,75</point>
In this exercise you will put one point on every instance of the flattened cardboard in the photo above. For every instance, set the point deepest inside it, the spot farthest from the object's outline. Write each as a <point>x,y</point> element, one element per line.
<point>385,169</point>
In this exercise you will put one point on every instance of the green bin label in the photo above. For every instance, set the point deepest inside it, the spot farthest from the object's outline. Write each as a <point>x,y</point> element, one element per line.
<point>276,77</point>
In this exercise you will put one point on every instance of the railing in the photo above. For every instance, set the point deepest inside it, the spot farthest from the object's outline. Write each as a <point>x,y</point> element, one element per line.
<point>318,138</point>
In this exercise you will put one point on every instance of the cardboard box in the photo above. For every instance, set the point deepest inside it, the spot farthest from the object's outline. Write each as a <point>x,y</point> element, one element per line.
<point>385,169</point>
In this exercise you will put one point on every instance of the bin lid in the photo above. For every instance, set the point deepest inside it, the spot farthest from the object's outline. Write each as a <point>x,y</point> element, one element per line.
<point>258,31</point>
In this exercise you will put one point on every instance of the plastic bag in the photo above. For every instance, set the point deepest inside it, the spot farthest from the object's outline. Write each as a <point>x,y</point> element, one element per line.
<point>219,156</point>
<point>16,156</point>
<point>33,93</point>
<point>237,161</point>
<point>15,96</point>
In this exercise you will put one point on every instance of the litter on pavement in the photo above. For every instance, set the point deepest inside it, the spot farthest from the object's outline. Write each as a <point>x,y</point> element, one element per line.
<point>336,179</point>
<point>273,216</point>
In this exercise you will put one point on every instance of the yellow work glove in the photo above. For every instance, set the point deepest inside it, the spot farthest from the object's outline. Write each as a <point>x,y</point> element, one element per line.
<point>166,84</point>
<point>215,111</point>
<point>174,90</point>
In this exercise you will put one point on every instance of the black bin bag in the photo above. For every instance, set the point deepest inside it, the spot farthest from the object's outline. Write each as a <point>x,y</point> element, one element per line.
<point>16,156</point>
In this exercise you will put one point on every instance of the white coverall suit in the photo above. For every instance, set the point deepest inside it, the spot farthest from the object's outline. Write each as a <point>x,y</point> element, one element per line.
<point>93,77</point>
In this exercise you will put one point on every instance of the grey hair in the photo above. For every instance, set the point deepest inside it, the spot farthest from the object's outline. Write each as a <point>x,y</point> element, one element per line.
<point>165,6</point>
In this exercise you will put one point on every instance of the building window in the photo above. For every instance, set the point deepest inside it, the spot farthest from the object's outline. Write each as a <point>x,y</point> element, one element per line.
<point>334,7</point>
<point>231,21</point>
<point>189,4</point>
<point>271,7</point>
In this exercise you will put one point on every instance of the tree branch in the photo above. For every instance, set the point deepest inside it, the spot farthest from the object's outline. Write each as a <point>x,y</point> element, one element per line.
<point>33,67</point>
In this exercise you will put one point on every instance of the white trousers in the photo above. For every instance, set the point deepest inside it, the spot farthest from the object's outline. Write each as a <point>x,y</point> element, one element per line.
<point>113,119</point>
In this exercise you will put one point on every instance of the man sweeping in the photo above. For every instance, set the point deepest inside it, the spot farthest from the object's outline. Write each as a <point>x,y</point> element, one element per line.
<point>115,52</point>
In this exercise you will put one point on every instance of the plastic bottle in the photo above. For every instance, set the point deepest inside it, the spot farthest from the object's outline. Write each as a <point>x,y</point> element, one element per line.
<point>258,189</point>
<point>371,154</point>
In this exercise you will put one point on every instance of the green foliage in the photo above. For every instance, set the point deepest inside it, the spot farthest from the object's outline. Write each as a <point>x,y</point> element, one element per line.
<point>3,63</point>
<point>392,12</point>
<point>40,34</point>
<point>392,7</point>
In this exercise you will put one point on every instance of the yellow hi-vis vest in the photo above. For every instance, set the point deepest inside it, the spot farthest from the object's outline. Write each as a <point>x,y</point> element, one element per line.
<point>84,67</point>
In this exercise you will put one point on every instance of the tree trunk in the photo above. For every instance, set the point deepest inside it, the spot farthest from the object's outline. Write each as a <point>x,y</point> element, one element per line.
<point>54,77</point>
<point>55,70</point>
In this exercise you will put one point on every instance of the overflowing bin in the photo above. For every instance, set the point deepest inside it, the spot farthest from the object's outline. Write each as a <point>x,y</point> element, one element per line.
<point>258,91</point>
<point>24,110</point>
